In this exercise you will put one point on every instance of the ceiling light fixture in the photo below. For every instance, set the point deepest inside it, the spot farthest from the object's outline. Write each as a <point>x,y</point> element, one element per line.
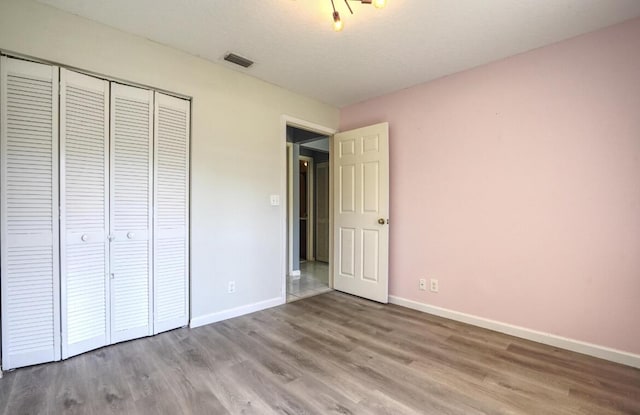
<point>337,22</point>
<point>338,25</point>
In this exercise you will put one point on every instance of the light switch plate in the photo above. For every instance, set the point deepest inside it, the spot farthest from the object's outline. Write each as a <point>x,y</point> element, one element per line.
<point>275,200</point>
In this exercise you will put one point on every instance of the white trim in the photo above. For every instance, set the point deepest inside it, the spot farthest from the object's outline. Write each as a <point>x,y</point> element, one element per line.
<point>306,125</point>
<point>578,346</point>
<point>295,273</point>
<point>235,312</point>
<point>289,208</point>
<point>331,218</point>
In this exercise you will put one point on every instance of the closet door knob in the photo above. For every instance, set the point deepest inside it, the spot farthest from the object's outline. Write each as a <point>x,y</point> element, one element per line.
<point>131,235</point>
<point>84,237</point>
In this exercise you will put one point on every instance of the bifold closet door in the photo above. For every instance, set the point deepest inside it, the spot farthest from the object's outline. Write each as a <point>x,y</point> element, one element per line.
<point>29,210</point>
<point>130,214</point>
<point>84,221</point>
<point>171,233</point>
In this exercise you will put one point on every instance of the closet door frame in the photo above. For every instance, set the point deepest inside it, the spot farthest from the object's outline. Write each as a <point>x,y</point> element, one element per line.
<point>75,349</point>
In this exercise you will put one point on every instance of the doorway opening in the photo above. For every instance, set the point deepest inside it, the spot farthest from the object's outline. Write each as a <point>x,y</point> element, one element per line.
<point>308,213</point>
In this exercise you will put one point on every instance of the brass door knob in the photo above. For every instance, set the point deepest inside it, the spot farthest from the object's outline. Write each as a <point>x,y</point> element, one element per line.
<point>381,221</point>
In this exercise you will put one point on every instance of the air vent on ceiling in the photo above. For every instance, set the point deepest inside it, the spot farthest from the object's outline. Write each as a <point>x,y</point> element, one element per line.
<point>238,60</point>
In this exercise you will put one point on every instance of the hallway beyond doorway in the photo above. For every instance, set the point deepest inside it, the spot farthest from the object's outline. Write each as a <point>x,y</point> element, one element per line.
<point>313,280</point>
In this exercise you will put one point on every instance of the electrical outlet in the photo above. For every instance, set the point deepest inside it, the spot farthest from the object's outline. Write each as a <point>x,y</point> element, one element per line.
<point>434,286</point>
<point>232,287</point>
<point>423,284</point>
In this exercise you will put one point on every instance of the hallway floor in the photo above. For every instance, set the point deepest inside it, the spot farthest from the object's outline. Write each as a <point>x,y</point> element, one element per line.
<point>314,280</point>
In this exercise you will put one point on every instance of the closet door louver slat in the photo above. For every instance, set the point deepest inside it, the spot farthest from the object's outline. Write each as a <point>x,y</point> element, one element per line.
<point>171,239</point>
<point>130,214</point>
<point>29,223</point>
<point>84,146</point>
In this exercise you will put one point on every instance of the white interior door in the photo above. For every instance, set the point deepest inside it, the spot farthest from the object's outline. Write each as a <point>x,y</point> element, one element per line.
<point>130,215</point>
<point>171,201</point>
<point>361,212</point>
<point>84,220</point>
<point>322,212</point>
<point>29,213</point>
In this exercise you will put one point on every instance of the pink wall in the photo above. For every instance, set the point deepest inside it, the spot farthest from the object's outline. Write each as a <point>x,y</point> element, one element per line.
<point>517,185</point>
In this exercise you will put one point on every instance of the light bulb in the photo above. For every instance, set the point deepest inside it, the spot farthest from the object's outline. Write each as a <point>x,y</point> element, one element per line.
<point>379,4</point>
<point>337,22</point>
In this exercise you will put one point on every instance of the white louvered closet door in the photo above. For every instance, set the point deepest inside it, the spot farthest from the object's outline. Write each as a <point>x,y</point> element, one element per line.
<point>171,201</point>
<point>130,214</point>
<point>84,167</point>
<point>29,209</point>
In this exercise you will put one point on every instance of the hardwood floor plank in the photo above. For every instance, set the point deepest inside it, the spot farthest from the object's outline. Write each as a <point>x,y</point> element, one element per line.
<point>28,395</point>
<point>260,380</point>
<point>235,396</point>
<point>471,397</point>
<point>313,365</point>
<point>67,396</point>
<point>382,404</point>
<point>6,386</point>
<point>276,367</point>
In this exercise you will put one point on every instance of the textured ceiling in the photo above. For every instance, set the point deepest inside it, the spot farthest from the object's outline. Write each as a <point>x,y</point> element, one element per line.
<point>379,51</point>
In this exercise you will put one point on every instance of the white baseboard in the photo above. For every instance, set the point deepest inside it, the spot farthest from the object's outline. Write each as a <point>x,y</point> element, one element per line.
<point>590,349</point>
<point>235,312</point>
<point>295,274</point>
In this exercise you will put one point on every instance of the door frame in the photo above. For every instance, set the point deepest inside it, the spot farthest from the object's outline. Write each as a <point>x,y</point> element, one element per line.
<point>287,120</point>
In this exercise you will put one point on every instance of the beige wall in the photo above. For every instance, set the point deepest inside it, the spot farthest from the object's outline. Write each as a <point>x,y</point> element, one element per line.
<point>237,145</point>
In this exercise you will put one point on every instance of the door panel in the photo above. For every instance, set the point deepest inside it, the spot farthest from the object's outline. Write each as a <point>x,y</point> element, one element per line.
<point>361,247</point>
<point>29,208</point>
<point>84,168</point>
<point>347,249</point>
<point>130,214</point>
<point>370,254</point>
<point>171,244</point>
<point>347,188</point>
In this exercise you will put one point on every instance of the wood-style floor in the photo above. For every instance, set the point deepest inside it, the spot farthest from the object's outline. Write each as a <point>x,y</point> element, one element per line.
<point>327,354</point>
